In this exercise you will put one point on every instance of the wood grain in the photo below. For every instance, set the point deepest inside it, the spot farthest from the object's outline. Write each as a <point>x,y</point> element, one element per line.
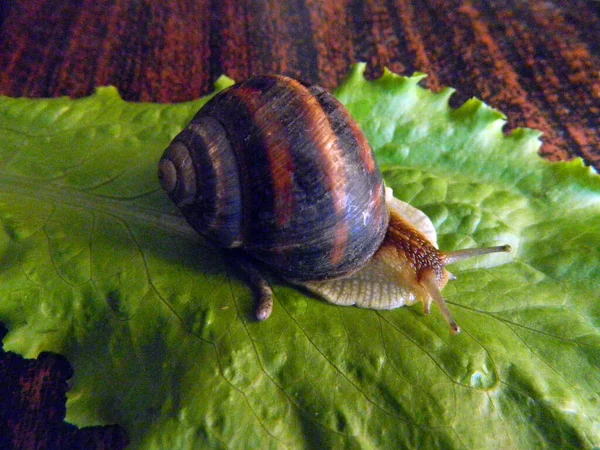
<point>537,61</point>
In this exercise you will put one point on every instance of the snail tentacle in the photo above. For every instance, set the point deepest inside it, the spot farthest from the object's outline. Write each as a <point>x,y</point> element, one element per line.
<point>466,253</point>
<point>428,280</point>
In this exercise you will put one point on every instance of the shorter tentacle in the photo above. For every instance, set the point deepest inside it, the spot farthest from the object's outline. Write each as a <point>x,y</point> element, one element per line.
<point>428,279</point>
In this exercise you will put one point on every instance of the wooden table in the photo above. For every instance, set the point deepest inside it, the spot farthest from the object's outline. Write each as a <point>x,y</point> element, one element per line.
<point>537,61</point>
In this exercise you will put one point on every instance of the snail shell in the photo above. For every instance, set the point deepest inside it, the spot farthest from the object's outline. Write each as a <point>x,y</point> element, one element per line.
<point>279,169</point>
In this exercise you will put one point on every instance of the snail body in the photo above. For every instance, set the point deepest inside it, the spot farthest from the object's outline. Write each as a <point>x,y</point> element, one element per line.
<point>279,169</point>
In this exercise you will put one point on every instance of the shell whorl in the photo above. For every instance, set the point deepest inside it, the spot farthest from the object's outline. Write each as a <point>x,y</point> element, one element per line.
<point>199,172</point>
<point>310,197</point>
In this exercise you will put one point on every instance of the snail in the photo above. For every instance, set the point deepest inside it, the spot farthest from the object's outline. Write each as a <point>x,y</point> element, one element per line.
<point>279,169</point>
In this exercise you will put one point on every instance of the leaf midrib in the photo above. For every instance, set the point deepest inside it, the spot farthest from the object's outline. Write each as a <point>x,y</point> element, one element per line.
<point>126,209</point>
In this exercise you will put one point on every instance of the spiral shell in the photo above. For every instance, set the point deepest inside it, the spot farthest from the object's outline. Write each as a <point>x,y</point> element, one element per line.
<point>280,169</point>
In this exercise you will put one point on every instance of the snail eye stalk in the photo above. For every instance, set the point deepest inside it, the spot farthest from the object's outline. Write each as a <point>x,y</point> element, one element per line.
<point>459,255</point>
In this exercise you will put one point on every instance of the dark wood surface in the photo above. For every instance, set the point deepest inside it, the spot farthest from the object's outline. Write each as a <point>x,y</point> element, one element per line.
<point>537,61</point>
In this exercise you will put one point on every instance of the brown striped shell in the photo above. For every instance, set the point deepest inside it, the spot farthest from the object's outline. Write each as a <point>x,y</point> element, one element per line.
<point>279,168</point>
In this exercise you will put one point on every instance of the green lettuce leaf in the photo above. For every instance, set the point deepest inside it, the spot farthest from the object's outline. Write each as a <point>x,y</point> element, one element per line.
<point>96,264</point>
